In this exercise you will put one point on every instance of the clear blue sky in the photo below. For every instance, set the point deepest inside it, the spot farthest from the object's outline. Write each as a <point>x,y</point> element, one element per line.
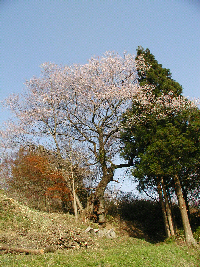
<point>67,32</point>
<point>71,31</point>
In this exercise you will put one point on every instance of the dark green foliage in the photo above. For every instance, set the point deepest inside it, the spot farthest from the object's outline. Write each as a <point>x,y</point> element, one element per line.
<point>162,147</point>
<point>165,148</point>
<point>158,76</point>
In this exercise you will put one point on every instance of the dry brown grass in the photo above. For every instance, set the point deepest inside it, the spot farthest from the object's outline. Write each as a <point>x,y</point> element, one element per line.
<point>28,228</point>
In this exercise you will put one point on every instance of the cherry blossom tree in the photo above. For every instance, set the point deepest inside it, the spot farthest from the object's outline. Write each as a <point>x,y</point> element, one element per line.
<point>80,101</point>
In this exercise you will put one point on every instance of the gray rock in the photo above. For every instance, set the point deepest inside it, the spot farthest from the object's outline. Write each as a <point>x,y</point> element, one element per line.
<point>111,234</point>
<point>101,233</point>
<point>90,230</point>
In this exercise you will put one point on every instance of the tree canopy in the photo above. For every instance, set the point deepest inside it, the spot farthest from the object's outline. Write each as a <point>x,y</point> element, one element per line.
<point>82,106</point>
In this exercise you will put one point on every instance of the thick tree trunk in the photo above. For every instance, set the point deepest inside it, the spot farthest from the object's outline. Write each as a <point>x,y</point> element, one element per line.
<point>96,208</point>
<point>168,209</point>
<point>167,230</point>
<point>183,210</point>
<point>107,177</point>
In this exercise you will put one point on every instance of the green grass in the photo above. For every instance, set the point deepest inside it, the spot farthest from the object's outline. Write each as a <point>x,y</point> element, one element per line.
<point>116,252</point>
<point>28,228</point>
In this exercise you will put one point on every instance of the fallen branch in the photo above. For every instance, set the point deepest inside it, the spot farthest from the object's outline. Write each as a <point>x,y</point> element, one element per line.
<point>8,249</point>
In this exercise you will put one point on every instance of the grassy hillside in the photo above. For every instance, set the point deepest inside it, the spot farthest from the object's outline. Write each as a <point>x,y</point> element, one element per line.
<point>23,227</point>
<point>28,228</point>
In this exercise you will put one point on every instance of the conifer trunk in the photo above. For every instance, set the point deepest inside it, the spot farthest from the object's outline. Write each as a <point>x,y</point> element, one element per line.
<point>183,210</point>
<point>184,191</point>
<point>167,230</point>
<point>168,209</point>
